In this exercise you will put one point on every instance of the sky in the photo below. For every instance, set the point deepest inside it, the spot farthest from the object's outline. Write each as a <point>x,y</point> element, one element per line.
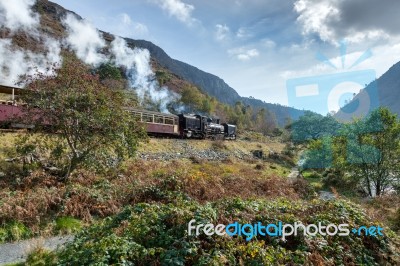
<point>262,47</point>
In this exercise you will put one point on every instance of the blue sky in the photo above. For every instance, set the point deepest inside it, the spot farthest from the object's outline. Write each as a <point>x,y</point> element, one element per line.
<point>256,46</point>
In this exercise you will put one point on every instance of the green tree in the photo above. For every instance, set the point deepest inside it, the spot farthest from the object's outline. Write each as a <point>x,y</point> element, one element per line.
<point>191,97</point>
<point>367,150</point>
<point>92,125</point>
<point>372,148</point>
<point>265,121</point>
<point>109,71</point>
<point>312,126</point>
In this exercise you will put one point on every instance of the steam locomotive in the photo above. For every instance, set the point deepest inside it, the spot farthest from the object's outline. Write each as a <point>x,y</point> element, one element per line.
<point>157,124</point>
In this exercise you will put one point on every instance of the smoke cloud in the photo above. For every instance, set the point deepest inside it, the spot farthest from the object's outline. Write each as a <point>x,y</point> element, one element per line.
<point>15,62</point>
<point>85,40</point>
<point>17,14</point>
<point>141,77</point>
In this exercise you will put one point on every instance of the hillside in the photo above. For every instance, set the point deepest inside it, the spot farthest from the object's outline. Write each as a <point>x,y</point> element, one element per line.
<point>211,84</point>
<point>182,73</point>
<point>386,87</point>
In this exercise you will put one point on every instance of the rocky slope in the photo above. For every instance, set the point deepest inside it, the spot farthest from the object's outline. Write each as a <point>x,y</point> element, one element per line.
<point>385,91</point>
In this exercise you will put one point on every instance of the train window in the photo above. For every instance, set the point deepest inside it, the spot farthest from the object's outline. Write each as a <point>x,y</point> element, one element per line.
<point>169,121</point>
<point>148,118</point>
<point>138,116</point>
<point>159,119</point>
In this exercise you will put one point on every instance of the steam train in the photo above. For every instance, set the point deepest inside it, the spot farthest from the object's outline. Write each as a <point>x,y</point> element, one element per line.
<point>184,125</point>
<point>157,124</point>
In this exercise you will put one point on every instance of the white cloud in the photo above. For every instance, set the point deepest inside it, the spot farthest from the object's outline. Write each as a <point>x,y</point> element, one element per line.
<point>128,28</point>
<point>178,9</point>
<point>17,14</point>
<point>126,19</point>
<point>140,29</point>
<point>371,35</point>
<point>222,32</point>
<point>330,20</point>
<point>85,40</point>
<point>315,15</point>
<point>243,54</point>
<point>268,43</point>
<point>242,33</point>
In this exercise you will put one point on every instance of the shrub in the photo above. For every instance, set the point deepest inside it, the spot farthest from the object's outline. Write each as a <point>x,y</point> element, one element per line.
<point>397,220</point>
<point>218,145</point>
<point>312,175</point>
<point>40,257</point>
<point>155,234</point>
<point>259,166</point>
<point>14,231</point>
<point>339,181</point>
<point>3,235</point>
<point>67,225</point>
<point>303,188</point>
<point>109,71</point>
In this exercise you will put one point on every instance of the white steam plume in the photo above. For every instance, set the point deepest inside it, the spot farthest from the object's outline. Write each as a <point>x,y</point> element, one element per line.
<point>140,75</point>
<point>85,40</point>
<point>17,14</point>
<point>16,62</point>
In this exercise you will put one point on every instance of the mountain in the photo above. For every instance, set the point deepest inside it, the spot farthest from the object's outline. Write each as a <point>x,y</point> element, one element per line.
<point>211,84</point>
<point>384,91</point>
<point>51,15</point>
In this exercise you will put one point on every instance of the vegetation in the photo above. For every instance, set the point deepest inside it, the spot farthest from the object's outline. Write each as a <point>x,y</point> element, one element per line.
<point>367,149</point>
<point>156,233</point>
<point>14,231</point>
<point>109,71</point>
<point>40,257</point>
<point>92,125</point>
<point>312,126</point>
<point>373,148</point>
<point>139,213</point>
<point>68,225</point>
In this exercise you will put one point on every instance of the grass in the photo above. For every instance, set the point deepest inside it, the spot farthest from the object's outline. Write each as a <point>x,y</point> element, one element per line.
<point>40,256</point>
<point>7,142</point>
<point>68,225</point>
<point>14,231</point>
<point>168,145</point>
<point>314,179</point>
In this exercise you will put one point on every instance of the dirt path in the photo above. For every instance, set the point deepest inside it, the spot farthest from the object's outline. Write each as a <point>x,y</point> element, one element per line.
<point>294,173</point>
<point>324,195</point>
<point>18,251</point>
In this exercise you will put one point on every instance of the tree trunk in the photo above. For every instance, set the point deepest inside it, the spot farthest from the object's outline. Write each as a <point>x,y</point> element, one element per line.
<point>369,186</point>
<point>71,167</point>
<point>378,188</point>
